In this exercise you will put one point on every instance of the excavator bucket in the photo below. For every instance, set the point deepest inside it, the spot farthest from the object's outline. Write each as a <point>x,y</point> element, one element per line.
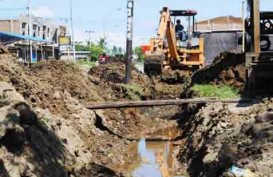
<point>153,63</point>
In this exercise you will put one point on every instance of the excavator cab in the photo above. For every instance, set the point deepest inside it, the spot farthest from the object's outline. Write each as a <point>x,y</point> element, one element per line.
<point>183,37</point>
<point>168,51</point>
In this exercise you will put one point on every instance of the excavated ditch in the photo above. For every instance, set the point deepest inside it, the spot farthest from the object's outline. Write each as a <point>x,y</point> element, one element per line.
<point>46,131</point>
<point>67,139</point>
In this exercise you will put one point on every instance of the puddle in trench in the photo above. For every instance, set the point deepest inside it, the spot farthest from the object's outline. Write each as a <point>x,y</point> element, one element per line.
<point>156,159</point>
<point>156,154</point>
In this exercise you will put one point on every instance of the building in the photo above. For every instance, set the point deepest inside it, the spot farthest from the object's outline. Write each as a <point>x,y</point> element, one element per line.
<point>224,23</point>
<point>45,37</point>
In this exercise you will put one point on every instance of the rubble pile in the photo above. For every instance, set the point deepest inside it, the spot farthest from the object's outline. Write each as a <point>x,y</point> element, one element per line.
<point>221,137</point>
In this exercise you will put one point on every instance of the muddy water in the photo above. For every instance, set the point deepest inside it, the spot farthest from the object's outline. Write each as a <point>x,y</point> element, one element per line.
<point>155,156</point>
<point>156,159</point>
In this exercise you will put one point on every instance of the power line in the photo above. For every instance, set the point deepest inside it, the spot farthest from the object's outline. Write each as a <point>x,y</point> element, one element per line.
<point>12,9</point>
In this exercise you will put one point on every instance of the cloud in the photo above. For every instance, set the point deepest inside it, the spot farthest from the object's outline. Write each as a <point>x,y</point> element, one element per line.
<point>43,12</point>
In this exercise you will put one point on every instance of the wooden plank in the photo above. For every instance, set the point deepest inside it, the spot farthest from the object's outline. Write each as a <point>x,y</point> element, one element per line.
<point>150,103</point>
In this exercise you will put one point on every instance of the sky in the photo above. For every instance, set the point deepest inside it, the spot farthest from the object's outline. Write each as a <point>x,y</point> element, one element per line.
<point>110,15</point>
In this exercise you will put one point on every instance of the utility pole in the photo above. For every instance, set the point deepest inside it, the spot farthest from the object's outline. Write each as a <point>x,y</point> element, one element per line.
<point>90,44</point>
<point>129,42</point>
<point>30,31</point>
<point>243,25</point>
<point>90,34</point>
<point>72,31</point>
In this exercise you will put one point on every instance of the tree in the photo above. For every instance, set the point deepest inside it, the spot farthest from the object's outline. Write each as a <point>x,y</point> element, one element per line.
<point>119,50</point>
<point>139,53</point>
<point>80,47</point>
<point>96,50</point>
<point>115,50</point>
<point>102,43</point>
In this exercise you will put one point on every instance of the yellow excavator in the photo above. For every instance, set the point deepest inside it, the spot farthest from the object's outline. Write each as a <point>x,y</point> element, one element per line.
<point>170,50</point>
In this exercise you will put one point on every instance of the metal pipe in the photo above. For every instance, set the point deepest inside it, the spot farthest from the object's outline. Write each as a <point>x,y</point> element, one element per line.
<point>151,103</point>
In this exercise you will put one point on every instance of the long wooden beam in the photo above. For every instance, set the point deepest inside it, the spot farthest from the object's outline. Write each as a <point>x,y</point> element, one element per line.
<point>150,103</point>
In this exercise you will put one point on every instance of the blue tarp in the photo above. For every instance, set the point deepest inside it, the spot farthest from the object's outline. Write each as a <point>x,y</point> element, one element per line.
<point>11,37</point>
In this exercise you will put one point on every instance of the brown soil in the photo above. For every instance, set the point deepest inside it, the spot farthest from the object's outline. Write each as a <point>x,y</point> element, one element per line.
<point>228,69</point>
<point>111,78</point>
<point>65,139</point>
<point>219,136</point>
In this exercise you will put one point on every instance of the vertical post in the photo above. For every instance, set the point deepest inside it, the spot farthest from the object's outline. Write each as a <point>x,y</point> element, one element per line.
<point>42,52</point>
<point>243,25</point>
<point>30,31</point>
<point>53,52</point>
<point>72,31</point>
<point>256,25</point>
<point>89,41</point>
<point>129,42</point>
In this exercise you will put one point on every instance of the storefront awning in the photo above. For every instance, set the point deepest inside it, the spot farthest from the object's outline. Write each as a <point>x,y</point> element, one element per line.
<point>6,38</point>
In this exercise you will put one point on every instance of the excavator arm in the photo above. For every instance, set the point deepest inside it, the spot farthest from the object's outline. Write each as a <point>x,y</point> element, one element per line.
<point>158,52</point>
<point>165,32</point>
<point>163,51</point>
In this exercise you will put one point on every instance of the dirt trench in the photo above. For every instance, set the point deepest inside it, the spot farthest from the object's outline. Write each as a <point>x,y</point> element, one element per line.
<point>62,138</point>
<point>66,139</point>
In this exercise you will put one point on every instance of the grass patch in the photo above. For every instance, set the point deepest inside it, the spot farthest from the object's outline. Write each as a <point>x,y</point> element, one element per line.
<point>218,91</point>
<point>133,91</point>
<point>85,64</point>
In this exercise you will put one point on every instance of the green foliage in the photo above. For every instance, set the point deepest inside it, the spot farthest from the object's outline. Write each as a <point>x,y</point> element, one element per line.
<point>120,51</point>
<point>80,47</point>
<point>218,91</point>
<point>96,50</point>
<point>133,91</point>
<point>139,53</point>
<point>84,64</point>
<point>102,43</point>
<point>114,50</point>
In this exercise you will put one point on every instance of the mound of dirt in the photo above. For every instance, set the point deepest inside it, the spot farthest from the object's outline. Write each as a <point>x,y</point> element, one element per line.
<point>54,135</point>
<point>111,77</point>
<point>60,137</point>
<point>220,136</point>
<point>228,69</point>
